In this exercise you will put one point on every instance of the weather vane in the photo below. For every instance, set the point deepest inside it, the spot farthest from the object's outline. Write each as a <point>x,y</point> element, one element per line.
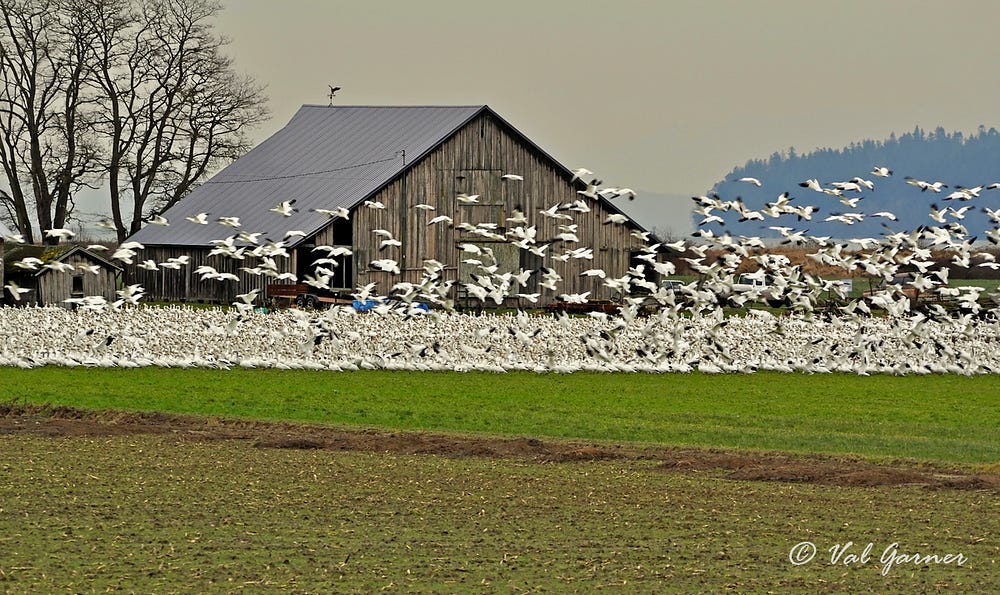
<point>333,92</point>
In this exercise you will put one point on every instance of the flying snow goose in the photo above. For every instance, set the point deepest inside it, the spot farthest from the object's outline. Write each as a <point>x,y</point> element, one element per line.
<point>284,208</point>
<point>59,232</point>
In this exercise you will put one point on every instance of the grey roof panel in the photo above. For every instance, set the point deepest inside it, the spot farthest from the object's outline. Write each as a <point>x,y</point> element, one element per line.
<point>325,157</point>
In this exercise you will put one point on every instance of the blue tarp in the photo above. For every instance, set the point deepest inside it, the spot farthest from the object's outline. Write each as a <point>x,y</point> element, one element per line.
<point>367,305</point>
<point>364,306</point>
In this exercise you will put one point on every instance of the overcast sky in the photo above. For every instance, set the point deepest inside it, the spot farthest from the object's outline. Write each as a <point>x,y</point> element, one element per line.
<point>662,96</point>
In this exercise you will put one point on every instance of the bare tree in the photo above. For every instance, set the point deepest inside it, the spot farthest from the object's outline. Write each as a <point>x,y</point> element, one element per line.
<point>137,92</point>
<point>175,108</point>
<point>46,149</point>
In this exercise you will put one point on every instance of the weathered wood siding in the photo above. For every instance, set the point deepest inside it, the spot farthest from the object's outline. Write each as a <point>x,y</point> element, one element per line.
<point>184,285</point>
<point>472,162</point>
<point>55,287</point>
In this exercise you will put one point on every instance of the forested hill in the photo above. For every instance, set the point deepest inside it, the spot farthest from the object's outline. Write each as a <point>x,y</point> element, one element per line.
<point>953,159</point>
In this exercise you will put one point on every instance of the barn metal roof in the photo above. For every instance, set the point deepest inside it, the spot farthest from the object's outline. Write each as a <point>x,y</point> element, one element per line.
<point>325,157</point>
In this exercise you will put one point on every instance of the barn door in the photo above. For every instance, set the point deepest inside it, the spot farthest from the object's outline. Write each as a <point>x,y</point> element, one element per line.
<point>483,182</point>
<point>504,256</point>
<point>496,199</point>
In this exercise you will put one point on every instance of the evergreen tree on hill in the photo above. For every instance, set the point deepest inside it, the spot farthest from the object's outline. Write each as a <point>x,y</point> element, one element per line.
<point>952,158</point>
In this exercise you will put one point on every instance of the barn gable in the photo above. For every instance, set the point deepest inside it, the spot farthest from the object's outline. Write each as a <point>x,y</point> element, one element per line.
<point>473,161</point>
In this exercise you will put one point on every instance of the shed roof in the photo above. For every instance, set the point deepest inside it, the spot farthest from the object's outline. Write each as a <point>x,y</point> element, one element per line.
<point>325,157</point>
<point>47,253</point>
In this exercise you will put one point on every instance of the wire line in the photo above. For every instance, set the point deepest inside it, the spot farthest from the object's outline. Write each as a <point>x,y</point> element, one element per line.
<point>302,175</point>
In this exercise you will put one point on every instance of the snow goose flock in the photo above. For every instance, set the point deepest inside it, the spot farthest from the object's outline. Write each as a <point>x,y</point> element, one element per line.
<point>683,328</point>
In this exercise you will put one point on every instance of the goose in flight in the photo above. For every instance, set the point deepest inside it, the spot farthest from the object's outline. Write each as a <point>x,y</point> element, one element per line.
<point>59,232</point>
<point>386,264</point>
<point>863,182</point>
<point>964,194</point>
<point>959,213</point>
<point>341,212</point>
<point>471,248</point>
<point>518,218</point>
<point>441,219</point>
<point>938,215</point>
<point>750,180</point>
<point>284,208</point>
<point>123,254</point>
<point>94,269</point>
<point>812,184</point>
<point>29,263</point>
<point>925,186</point>
<point>552,213</point>
<point>16,291</point>
<point>574,298</point>
<point>847,186</point>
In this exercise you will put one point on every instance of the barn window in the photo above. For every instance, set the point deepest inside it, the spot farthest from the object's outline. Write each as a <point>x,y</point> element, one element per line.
<point>506,257</point>
<point>344,272</point>
<point>648,272</point>
<point>341,271</point>
<point>480,214</point>
<point>531,262</point>
<point>77,290</point>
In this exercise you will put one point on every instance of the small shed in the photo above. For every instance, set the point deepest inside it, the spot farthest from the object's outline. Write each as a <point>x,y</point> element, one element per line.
<point>65,271</point>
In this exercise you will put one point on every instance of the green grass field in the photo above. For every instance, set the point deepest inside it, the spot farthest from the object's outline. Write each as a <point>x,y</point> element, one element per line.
<point>164,514</point>
<point>938,418</point>
<point>174,512</point>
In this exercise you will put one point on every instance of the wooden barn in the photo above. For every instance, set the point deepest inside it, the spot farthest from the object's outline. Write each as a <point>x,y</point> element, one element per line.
<point>66,271</point>
<point>380,163</point>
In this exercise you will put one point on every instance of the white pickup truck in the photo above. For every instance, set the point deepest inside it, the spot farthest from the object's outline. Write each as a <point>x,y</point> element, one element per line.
<point>752,282</point>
